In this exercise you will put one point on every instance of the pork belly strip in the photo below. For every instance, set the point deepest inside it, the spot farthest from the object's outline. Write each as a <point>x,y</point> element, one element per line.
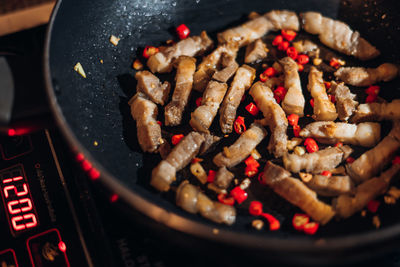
<point>377,111</point>
<point>358,76</point>
<point>255,51</point>
<point>189,198</point>
<point>274,116</point>
<point>184,81</point>
<point>294,99</point>
<point>347,205</point>
<point>374,160</point>
<point>345,103</point>
<point>338,36</point>
<point>324,109</point>
<point>306,47</point>
<point>322,160</point>
<point>209,142</point>
<point>242,147</point>
<point>150,85</point>
<point>241,82</point>
<point>191,46</point>
<point>180,156</point>
<point>229,68</point>
<point>366,134</point>
<point>294,191</point>
<point>258,27</point>
<point>331,186</point>
<point>223,178</point>
<point>144,112</point>
<point>204,114</point>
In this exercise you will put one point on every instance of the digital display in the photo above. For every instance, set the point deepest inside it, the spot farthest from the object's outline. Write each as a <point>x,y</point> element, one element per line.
<point>17,200</point>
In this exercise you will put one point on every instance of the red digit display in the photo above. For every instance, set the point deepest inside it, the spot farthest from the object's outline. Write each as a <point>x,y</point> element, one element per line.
<point>17,199</point>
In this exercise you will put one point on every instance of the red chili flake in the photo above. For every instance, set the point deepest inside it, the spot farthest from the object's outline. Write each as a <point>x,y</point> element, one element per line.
<point>280,92</point>
<point>371,98</point>
<point>255,208</point>
<point>296,130</point>
<point>239,194</point>
<point>176,139</point>
<point>300,67</point>
<point>278,40</point>
<point>250,170</point>
<point>326,173</point>
<point>252,109</point>
<point>250,161</point>
<point>339,144</point>
<point>182,31</point>
<point>350,160</point>
<point>292,53</point>
<point>274,224</point>
<point>226,200</point>
<point>373,90</point>
<point>149,51</point>
<point>293,119</point>
<point>211,176</point>
<point>283,46</point>
<point>373,206</point>
<point>195,160</point>
<point>239,125</point>
<point>303,59</point>
<point>289,34</point>
<point>332,98</point>
<point>312,102</point>
<point>159,123</point>
<point>263,77</point>
<point>311,145</point>
<point>334,62</point>
<point>260,179</point>
<point>198,101</point>
<point>311,228</point>
<point>396,160</point>
<point>327,85</point>
<point>299,220</point>
<point>270,71</point>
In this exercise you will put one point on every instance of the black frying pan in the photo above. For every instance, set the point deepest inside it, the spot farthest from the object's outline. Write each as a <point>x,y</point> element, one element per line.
<point>96,109</point>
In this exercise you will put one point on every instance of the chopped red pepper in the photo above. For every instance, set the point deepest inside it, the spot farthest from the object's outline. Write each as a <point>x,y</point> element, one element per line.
<point>299,220</point>
<point>256,208</point>
<point>326,173</point>
<point>159,123</point>
<point>211,176</point>
<point>311,145</point>
<point>312,102</point>
<point>289,34</point>
<point>339,144</point>
<point>292,53</point>
<point>250,161</point>
<point>280,93</point>
<point>149,51</point>
<point>195,160</point>
<point>263,77</point>
<point>177,138</point>
<point>332,98</point>
<point>182,31</point>
<point>327,85</point>
<point>296,130</point>
<point>274,224</point>
<point>239,125</point>
<point>350,160</point>
<point>396,160</point>
<point>373,206</point>
<point>293,119</point>
<point>198,101</point>
<point>250,170</point>
<point>252,109</point>
<point>226,200</point>
<point>373,90</point>
<point>303,59</point>
<point>260,179</point>
<point>371,98</point>
<point>283,46</point>
<point>270,71</point>
<point>300,67</point>
<point>334,62</point>
<point>278,40</point>
<point>311,228</point>
<point>239,194</point>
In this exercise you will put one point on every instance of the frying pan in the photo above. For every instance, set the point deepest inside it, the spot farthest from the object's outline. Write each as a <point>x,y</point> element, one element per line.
<point>95,109</point>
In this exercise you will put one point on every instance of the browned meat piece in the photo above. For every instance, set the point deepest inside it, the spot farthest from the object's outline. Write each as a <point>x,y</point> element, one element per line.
<point>192,46</point>
<point>322,160</point>
<point>294,99</point>
<point>338,35</point>
<point>377,111</point>
<point>374,160</point>
<point>151,86</point>
<point>294,191</point>
<point>209,141</point>
<point>324,109</point>
<point>229,65</point>
<point>365,134</point>
<point>359,76</point>
<point>189,198</point>
<point>242,147</point>
<point>255,52</point>
<point>144,112</point>
<point>184,81</point>
<point>306,47</point>
<point>203,115</point>
<point>242,81</point>
<point>345,103</point>
<point>331,186</point>
<point>274,116</point>
<point>258,27</point>
<point>347,205</point>
<point>181,155</point>
<point>223,178</point>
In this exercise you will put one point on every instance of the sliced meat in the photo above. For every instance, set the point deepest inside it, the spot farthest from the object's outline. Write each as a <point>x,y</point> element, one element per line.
<point>144,112</point>
<point>191,46</point>
<point>165,173</point>
<point>345,103</point>
<point>358,76</point>
<point>223,178</point>
<point>242,147</point>
<point>203,116</point>
<point>209,142</point>
<point>322,160</point>
<point>189,198</point>
<point>184,82</point>
<point>324,109</point>
<point>306,47</point>
<point>294,191</point>
<point>274,116</point>
<point>150,85</point>
<point>230,67</point>
<point>366,134</point>
<point>241,82</point>
<point>338,36</point>
<point>331,186</point>
<point>347,205</point>
<point>294,99</point>
<point>377,111</point>
<point>283,20</point>
<point>374,160</point>
<point>255,52</point>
